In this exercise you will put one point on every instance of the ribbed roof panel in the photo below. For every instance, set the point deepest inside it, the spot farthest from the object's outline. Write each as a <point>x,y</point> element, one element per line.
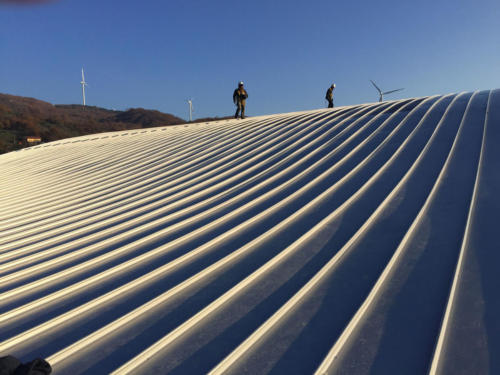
<point>356,240</point>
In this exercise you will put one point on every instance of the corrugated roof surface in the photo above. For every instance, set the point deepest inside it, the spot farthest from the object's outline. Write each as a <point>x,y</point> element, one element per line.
<point>356,240</point>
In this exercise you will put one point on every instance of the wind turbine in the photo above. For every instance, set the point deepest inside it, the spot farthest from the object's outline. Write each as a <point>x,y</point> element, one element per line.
<point>83,83</point>
<point>190,102</point>
<point>381,97</point>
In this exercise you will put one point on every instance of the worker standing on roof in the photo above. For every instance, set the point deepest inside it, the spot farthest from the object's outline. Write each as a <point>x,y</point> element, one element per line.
<point>239,98</point>
<point>329,95</point>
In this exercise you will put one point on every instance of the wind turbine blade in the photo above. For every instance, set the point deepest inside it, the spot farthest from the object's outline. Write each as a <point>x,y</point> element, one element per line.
<point>83,76</point>
<point>373,83</point>
<point>390,92</point>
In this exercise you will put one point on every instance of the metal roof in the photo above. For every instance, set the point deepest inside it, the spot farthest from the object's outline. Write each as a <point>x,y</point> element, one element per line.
<point>352,240</point>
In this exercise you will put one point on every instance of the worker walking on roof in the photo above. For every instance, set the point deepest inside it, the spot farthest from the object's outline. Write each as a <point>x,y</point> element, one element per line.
<point>239,98</point>
<point>329,95</point>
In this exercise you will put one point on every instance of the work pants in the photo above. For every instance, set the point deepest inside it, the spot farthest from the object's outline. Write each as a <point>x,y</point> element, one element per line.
<point>240,107</point>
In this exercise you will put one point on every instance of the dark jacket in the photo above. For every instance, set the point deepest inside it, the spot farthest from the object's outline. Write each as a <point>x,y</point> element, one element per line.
<point>329,94</point>
<point>240,96</point>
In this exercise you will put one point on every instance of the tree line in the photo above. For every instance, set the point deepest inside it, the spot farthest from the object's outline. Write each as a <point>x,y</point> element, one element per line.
<point>22,117</point>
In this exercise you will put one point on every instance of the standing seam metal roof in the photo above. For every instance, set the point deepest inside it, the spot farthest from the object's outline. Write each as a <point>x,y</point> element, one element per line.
<point>356,240</point>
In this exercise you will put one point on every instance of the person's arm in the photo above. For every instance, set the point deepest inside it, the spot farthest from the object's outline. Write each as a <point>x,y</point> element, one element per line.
<point>246,94</point>
<point>235,95</point>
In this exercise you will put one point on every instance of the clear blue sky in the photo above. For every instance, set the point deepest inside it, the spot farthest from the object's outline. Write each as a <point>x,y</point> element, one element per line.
<point>157,53</point>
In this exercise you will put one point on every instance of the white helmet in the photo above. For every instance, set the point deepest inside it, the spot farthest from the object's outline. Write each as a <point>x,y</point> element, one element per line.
<point>333,84</point>
<point>240,83</point>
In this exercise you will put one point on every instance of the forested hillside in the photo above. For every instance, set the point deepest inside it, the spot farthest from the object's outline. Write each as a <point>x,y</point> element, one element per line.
<point>21,117</point>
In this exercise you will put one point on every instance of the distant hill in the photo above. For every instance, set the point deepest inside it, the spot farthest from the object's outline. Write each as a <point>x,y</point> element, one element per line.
<point>21,117</point>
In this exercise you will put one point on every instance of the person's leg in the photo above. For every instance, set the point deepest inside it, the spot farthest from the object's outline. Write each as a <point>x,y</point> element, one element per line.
<point>330,104</point>
<point>242,110</point>
<point>237,110</point>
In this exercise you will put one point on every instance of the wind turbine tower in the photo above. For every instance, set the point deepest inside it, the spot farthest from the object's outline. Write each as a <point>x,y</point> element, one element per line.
<point>190,102</point>
<point>381,94</point>
<point>83,83</point>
